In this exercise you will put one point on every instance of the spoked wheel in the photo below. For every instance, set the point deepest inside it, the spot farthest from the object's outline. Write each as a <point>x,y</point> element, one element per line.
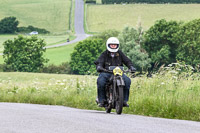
<point>119,100</point>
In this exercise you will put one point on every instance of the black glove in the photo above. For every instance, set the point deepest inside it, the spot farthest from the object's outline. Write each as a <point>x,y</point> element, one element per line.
<point>133,69</point>
<point>100,69</point>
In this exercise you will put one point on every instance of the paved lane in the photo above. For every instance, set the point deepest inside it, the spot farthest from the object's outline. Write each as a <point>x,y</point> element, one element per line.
<point>31,118</point>
<point>78,25</point>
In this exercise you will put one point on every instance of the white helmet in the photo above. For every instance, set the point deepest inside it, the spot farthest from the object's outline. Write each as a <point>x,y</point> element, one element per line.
<point>112,40</point>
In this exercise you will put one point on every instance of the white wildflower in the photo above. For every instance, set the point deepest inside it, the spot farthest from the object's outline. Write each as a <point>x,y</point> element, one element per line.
<point>175,63</point>
<point>62,83</point>
<point>170,65</point>
<point>175,72</point>
<point>37,88</point>
<point>191,68</point>
<point>52,79</point>
<point>174,77</point>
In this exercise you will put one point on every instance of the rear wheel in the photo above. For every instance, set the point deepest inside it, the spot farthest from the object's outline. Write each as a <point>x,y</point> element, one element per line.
<point>119,100</point>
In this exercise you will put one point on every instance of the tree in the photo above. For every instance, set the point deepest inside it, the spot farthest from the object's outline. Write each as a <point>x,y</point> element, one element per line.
<point>84,55</point>
<point>159,42</point>
<point>188,38</point>
<point>24,54</point>
<point>8,25</point>
<point>130,43</point>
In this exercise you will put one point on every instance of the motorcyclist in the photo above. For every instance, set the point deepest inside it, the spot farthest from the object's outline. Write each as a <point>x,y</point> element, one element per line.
<point>112,57</point>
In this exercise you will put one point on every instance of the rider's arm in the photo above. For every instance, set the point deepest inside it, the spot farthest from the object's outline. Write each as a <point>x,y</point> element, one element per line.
<point>126,60</point>
<point>101,62</point>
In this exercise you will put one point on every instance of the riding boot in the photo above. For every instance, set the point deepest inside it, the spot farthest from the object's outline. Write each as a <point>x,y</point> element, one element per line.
<point>101,95</point>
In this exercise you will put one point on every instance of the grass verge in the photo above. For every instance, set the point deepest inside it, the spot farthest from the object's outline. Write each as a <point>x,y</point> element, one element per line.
<point>161,96</point>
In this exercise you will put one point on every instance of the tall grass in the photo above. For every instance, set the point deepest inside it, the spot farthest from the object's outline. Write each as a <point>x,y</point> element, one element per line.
<point>117,16</point>
<point>167,95</point>
<point>68,90</point>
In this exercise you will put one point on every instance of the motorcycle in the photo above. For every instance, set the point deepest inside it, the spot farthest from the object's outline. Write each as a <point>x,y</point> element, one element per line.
<point>115,89</point>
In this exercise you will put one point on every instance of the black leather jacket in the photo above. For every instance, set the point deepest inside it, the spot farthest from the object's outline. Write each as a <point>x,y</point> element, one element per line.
<point>105,60</point>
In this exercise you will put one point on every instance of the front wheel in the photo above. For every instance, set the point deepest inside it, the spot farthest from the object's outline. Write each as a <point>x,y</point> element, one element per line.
<point>119,99</point>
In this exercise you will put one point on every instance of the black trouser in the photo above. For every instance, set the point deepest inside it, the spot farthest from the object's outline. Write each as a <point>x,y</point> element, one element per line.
<point>101,83</point>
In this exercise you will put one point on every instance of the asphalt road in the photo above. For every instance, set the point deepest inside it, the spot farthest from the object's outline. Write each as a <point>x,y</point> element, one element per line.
<point>78,25</point>
<point>33,118</point>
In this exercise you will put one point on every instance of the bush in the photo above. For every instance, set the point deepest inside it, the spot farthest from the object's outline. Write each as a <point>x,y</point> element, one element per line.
<point>159,42</point>
<point>1,67</point>
<point>188,38</point>
<point>90,1</point>
<point>64,68</point>
<point>8,25</point>
<point>130,43</point>
<point>32,28</point>
<point>24,54</point>
<point>84,55</point>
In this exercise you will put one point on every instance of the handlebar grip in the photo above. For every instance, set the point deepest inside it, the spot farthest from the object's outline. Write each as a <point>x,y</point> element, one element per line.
<point>133,71</point>
<point>108,71</point>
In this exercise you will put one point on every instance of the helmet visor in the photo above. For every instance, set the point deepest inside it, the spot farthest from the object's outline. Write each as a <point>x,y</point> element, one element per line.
<point>113,46</point>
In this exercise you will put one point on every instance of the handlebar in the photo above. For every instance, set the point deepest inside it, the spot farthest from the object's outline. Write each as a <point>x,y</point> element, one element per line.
<point>108,71</point>
<point>125,71</point>
<point>101,69</point>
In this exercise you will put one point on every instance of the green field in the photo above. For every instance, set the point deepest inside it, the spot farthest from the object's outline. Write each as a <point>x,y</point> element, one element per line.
<point>103,17</point>
<point>168,95</point>
<point>1,59</point>
<point>59,55</point>
<point>49,39</point>
<point>49,14</point>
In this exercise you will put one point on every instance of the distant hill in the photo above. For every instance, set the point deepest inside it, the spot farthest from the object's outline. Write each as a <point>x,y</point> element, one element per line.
<point>117,16</point>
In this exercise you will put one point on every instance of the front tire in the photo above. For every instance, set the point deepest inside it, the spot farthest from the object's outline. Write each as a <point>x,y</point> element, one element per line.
<point>119,100</point>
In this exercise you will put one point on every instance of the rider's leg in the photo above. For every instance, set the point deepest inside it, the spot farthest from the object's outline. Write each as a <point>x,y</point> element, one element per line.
<point>101,83</point>
<point>127,81</point>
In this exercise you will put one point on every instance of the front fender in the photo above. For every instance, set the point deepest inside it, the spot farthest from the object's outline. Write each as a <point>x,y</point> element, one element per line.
<point>120,81</point>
